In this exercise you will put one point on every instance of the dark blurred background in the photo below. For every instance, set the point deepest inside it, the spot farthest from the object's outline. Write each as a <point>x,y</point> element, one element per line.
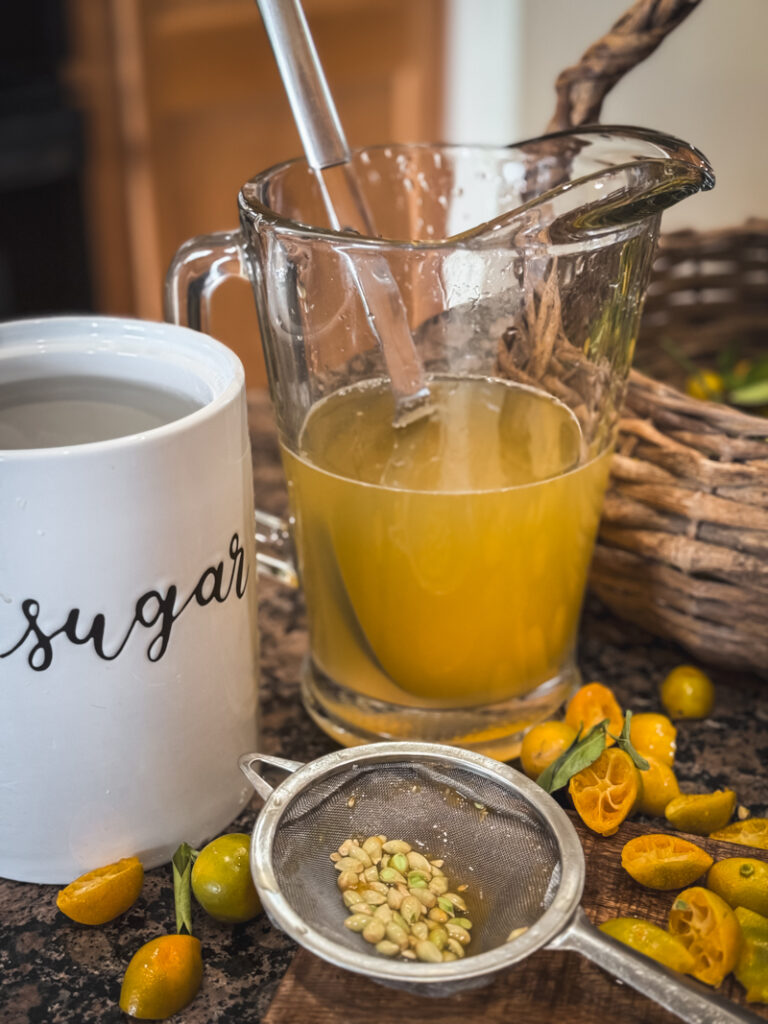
<point>43,261</point>
<point>129,125</point>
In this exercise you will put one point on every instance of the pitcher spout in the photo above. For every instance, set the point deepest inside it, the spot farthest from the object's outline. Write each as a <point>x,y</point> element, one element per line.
<point>578,184</point>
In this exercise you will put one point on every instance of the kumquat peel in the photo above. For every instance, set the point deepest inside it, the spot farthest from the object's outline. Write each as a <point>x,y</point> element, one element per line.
<point>709,930</point>
<point>606,792</point>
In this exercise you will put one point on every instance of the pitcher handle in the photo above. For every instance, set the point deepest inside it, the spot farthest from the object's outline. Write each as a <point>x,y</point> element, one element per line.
<point>196,271</point>
<point>274,549</point>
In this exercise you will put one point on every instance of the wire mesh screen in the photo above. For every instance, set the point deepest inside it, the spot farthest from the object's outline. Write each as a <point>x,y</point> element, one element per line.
<point>490,837</point>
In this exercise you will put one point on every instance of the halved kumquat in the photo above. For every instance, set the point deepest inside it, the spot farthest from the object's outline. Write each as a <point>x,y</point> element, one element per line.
<point>709,930</point>
<point>701,813</point>
<point>103,894</point>
<point>606,792</point>
<point>650,940</point>
<point>660,861</point>
<point>751,832</point>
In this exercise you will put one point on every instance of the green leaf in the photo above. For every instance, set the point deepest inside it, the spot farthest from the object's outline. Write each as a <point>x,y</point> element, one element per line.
<point>624,743</point>
<point>182,887</point>
<point>581,754</point>
<point>750,394</point>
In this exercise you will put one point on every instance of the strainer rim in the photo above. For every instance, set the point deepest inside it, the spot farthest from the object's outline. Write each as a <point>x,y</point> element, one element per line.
<point>554,919</point>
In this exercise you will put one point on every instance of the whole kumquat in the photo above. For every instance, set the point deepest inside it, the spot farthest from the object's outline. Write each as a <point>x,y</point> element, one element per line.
<point>660,785</point>
<point>222,882</point>
<point>701,813</point>
<point>592,704</point>
<point>162,977</point>
<point>543,744</point>
<point>687,692</point>
<point>103,894</point>
<point>751,832</point>
<point>709,930</point>
<point>660,861</point>
<point>606,792</point>
<point>706,385</point>
<point>166,973</point>
<point>742,882</point>
<point>654,735</point>
<point>650,940</point>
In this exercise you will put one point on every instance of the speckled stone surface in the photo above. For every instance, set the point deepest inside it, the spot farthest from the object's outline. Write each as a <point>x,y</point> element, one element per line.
<point>52,970</point>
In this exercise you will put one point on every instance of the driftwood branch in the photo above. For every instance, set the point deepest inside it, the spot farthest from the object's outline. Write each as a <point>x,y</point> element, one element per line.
<point>582,88</point>
<point>683,544</point>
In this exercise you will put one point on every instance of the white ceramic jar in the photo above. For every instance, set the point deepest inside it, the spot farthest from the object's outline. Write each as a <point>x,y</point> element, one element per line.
<point>128,633</point>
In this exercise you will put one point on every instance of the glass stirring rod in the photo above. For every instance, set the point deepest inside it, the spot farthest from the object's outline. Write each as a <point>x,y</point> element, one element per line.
<point>328,155</point>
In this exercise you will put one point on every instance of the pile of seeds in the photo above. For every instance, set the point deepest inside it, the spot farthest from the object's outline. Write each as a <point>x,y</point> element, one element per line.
<point>400,902</point>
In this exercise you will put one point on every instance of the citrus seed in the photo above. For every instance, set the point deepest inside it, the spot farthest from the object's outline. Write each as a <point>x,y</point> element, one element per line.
<point>428,952</point>
<point>357,922</point>
<point>396,846</point>
<point>374,931</point>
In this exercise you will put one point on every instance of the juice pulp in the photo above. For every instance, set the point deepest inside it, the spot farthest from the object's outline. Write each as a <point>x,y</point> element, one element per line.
<point>443,563</point>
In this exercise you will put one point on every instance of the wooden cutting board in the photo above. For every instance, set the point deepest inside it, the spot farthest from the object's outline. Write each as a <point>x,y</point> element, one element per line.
<point>547,988</point>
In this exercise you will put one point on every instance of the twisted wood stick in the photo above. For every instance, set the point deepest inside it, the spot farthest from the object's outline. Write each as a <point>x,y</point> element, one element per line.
<point>582,88</point>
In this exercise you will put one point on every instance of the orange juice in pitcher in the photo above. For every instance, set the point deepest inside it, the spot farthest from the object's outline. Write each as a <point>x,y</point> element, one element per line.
<point>444,563</point>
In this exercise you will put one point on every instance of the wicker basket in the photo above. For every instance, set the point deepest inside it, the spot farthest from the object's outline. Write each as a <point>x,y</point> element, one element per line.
<point>683,544</point>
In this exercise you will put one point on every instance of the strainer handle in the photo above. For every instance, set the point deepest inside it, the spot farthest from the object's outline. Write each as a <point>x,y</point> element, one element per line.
<point>686,998</point>
<point>248,765</point>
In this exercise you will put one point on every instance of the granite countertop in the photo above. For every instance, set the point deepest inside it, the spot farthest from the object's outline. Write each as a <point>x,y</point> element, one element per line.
<point>52,970</point>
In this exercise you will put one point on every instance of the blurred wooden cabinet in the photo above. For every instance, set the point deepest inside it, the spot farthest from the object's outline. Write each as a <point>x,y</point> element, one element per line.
<point>183,103</point>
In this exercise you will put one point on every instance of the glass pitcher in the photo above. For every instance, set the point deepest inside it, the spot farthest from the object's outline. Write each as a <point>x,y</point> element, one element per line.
<point>444,561</point>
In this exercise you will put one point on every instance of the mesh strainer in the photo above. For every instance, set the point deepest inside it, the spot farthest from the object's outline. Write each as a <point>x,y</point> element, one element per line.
<point>497,830</point>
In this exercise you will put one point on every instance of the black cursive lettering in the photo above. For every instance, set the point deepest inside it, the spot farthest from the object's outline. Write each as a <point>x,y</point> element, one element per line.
<point>151,609</point>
